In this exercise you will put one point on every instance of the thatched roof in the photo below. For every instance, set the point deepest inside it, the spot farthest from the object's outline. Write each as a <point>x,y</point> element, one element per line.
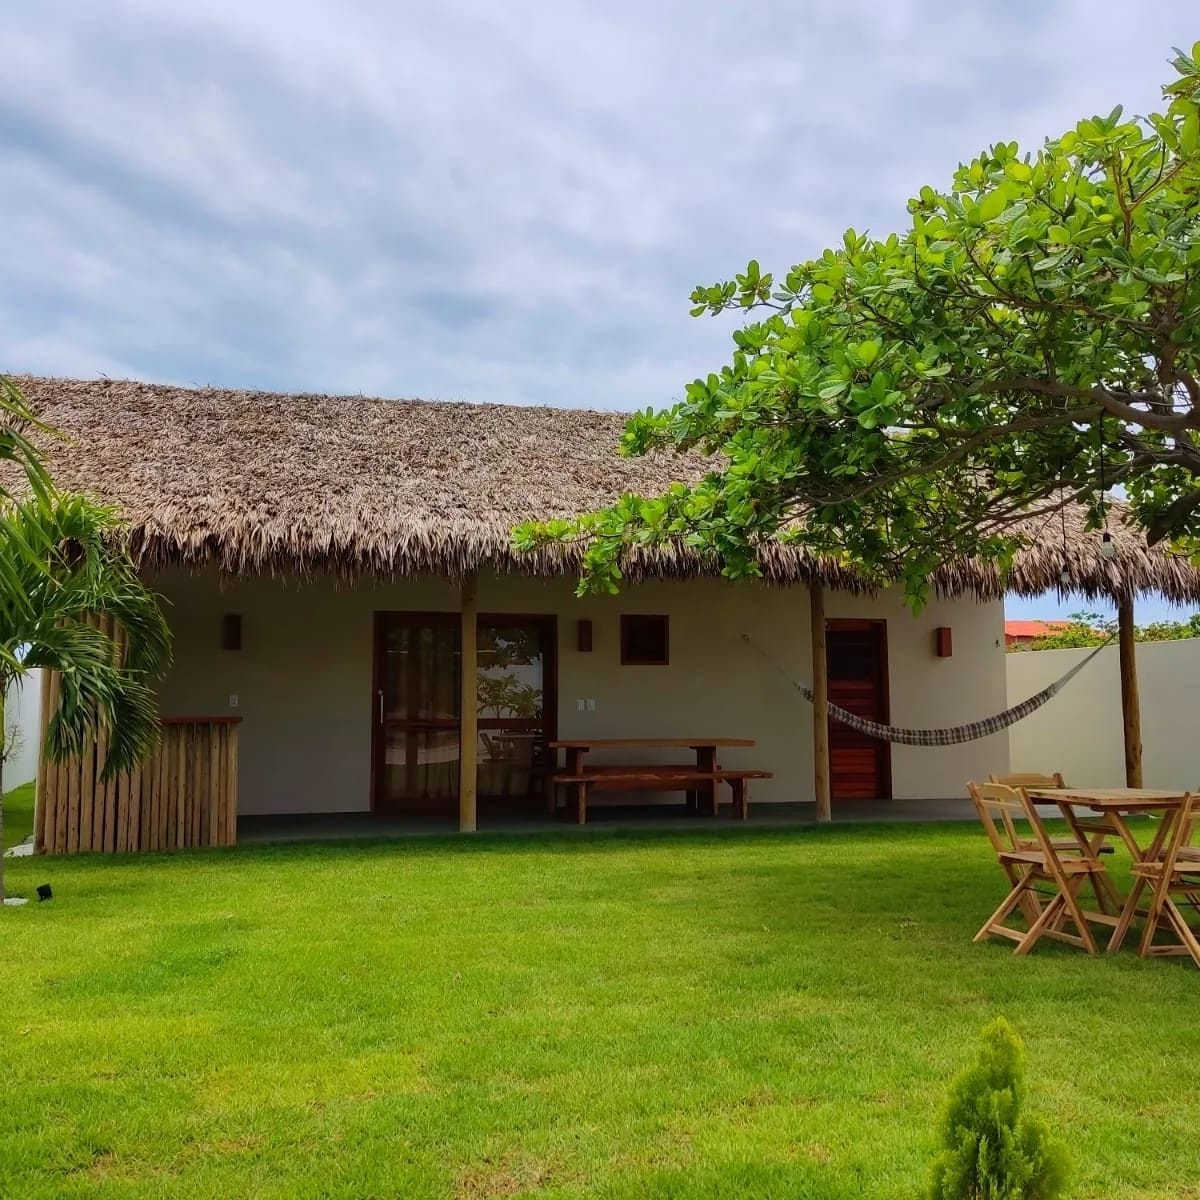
<point>253,481</point>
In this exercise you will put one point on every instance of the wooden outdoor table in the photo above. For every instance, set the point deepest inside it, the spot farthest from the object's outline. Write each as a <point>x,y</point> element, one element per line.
<point>1114,806</point>
<point>577,750</point>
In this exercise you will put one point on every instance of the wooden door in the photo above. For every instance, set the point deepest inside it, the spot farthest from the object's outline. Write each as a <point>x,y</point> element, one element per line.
<point>860,767</point>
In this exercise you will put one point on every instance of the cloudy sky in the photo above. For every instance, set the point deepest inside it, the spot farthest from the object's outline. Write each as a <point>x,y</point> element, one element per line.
<point>487,201</point>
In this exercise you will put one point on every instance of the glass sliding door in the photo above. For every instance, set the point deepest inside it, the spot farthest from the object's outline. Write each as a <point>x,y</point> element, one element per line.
<point>418,712</point>
<point>515,696</point>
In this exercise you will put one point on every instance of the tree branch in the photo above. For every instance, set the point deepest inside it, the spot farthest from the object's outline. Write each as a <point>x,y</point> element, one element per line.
<point>1112,403</point>
<point>1172,516</point>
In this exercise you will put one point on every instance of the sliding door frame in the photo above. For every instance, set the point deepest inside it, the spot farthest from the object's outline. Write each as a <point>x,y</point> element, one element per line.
<point>548,623</point>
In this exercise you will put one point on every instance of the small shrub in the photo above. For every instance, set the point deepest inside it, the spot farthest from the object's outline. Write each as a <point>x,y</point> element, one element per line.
<point>990,1151</point>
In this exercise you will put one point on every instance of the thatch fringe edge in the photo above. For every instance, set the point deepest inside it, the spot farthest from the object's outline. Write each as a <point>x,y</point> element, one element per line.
<point>253,550</point>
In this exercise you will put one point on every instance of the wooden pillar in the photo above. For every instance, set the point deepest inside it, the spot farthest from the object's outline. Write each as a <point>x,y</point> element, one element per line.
<point>42,800</point>
<point>469,735</point>
<point>820,687</point>
<point>1130,707</point>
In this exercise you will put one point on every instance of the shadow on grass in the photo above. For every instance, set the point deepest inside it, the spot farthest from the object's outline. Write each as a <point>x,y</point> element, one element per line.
<point>594,841</point>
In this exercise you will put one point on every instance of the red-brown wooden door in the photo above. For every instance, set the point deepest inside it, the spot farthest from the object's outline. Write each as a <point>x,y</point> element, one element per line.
<point>860,767</point>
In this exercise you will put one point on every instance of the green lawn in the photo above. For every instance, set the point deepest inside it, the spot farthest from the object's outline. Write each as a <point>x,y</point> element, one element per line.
<point>717,1013</point>
<point>18,816</point>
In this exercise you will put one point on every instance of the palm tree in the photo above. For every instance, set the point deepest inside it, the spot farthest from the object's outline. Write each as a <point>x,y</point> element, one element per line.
<point>63,563</point>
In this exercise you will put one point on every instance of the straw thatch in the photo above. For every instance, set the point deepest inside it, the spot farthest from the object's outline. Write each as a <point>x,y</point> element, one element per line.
<point>253,482</point>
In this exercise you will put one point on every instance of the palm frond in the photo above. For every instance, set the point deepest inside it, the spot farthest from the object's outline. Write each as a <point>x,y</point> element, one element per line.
<point>16,419</point>
<point>52,606</point>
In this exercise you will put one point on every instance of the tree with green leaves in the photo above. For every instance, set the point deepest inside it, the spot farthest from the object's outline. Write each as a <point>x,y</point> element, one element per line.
<point>1029,341</point>
<point>62,565</point>
<point>990,1150</point>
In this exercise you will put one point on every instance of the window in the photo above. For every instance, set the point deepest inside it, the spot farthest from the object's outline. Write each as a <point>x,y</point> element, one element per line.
<point>645,641</point>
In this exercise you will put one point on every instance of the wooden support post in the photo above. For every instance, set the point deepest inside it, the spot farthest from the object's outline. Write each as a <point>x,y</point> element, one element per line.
<point>1130,707</point>
<point>469,728</point>
<point>214,827</point>
<point>820,686</point>
<point>42,800</point>
<point>231,786</point>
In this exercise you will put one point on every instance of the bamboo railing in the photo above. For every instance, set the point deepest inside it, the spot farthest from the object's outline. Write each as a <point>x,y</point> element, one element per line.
<point>184,795</point>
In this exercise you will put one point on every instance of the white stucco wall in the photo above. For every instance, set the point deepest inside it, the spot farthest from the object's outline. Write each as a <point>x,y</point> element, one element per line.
<point>304,676</point>
<point>1080,731</point>
<point>22,716</point>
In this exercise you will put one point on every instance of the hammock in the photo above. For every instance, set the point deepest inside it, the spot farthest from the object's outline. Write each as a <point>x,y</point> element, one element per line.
<point>952,736</point>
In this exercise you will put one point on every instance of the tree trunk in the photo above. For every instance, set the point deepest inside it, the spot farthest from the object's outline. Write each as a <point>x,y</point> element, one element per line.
<point>1131,711</point>
<point>822,784</point>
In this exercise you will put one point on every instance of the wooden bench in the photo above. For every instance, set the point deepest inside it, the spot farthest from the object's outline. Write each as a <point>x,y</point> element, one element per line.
<point>657,769</point>
<point>568,775</point>
<point>659,777</point>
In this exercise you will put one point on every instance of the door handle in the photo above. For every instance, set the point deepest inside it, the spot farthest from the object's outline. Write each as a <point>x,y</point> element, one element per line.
<point>380,696</point>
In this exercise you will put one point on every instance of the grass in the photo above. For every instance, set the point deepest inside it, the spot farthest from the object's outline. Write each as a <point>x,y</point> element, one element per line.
<point>708,1014</point>
<point>18,815</point>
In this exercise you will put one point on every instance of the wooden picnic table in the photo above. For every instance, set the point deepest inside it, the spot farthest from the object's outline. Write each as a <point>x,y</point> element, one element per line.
<point>1110,810</point>
<point>705,748</point>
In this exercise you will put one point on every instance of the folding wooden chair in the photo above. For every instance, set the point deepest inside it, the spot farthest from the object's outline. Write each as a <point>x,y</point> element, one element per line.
<point>998,816</point>
<point>1097,828</point>
<point>1046,878</point>
<point>1029,779</point>
<point>1189,852</point>
<point>1176,876</point>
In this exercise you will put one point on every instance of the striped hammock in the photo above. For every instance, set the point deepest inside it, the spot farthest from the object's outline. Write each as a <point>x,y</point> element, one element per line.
<point>953,735</point>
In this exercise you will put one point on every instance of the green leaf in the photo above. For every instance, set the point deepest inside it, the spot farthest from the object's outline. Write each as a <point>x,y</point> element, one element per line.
<point>1189,135</point>
<point>867,352</point>
<point>992,205</point>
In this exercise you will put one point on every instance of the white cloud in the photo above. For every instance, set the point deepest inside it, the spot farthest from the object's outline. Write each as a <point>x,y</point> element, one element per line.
<point>482,201</point>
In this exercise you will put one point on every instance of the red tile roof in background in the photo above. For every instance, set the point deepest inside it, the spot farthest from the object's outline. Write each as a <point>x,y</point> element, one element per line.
<point>1019,631</point>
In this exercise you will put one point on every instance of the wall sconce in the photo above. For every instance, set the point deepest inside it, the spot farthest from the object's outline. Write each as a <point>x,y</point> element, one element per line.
<point>231,631</point>
<point>943,641</point>
<point>583,636</point>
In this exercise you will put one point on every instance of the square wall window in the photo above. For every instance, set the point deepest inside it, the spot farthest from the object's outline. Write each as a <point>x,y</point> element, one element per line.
<point>645,640</point>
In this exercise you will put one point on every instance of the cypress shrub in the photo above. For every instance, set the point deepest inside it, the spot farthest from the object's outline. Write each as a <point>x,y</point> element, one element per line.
<point>990,1149</point>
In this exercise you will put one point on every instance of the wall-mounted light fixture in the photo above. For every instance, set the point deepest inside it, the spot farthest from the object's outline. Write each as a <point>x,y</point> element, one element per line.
<point>943,642</point>
<point>583,636</point>
<point>231,631</point>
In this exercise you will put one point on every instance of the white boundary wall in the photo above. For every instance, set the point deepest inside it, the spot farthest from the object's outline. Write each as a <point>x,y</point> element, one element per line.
<point>22,713</point>
<point>1079,732</point>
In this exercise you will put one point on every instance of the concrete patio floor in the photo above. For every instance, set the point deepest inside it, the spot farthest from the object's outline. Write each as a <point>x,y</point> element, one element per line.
<point>626,818</point>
